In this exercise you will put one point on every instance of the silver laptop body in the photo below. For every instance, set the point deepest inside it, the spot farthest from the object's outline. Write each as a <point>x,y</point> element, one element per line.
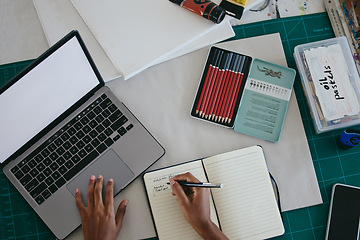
<point>64,132</point>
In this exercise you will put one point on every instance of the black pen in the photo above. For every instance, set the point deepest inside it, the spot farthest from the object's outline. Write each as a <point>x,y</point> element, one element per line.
<point>200,184</point>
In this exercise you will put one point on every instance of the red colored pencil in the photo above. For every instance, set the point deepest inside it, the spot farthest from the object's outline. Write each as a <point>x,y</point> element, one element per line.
<point>220,80</point>
<point>229,89</point>
<point>209,85</point>
<point>215,88</point>
<point>210,93</point>
<point>240,75</point>
<point>206,82</point>
<point>209,74</point>
<point>232,90</point>
<point>223,88</point>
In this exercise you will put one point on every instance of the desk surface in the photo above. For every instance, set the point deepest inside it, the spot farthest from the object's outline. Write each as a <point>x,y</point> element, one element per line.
<point>332,165</point>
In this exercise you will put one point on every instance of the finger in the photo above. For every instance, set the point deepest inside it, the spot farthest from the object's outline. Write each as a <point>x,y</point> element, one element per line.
<point>120,213</point>
<point>178,191</point>
<point>79,204</point>
<point>90,195</point>
<point>109,196</point>
<point>186,177</point>
<point>98,191</point>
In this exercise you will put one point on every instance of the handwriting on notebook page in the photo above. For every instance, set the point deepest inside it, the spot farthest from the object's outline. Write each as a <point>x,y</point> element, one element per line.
<point>158,184</point>
<point>168,219</point>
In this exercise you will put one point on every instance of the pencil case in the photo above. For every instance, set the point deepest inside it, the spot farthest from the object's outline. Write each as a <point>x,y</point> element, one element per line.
<point>248,95</point>
<point>331,83</point>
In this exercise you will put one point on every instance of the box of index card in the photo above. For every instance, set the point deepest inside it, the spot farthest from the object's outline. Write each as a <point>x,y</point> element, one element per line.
<point>331,83</point>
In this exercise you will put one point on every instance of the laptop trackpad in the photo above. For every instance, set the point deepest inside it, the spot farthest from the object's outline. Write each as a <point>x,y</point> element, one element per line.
<point>109,166</point>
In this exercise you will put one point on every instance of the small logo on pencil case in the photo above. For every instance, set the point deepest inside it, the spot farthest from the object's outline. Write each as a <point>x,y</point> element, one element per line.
<point>269,72</point>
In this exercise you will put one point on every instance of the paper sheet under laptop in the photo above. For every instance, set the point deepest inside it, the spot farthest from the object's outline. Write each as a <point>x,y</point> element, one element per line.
<point>131,49</point>
<point>186,138</point>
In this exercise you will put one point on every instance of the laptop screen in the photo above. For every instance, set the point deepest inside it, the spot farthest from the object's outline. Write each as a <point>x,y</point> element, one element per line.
<point>43,94</point>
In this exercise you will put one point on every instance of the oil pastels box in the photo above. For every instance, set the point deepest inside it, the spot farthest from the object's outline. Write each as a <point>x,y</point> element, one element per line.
<point>331,83</point>
<point>248,95</point>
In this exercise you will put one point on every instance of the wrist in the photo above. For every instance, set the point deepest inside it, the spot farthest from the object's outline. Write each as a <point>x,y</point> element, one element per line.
<point>209,231</point>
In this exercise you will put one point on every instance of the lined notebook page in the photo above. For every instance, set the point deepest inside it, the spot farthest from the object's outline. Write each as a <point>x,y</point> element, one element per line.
<point>246,205</point>
<point>169,220</point>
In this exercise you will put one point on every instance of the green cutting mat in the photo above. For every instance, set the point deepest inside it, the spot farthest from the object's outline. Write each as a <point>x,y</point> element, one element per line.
<point>332,165</point>
<point>17,219</point>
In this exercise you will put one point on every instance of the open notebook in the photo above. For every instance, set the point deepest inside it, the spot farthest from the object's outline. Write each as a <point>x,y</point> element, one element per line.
<point>245,207</point>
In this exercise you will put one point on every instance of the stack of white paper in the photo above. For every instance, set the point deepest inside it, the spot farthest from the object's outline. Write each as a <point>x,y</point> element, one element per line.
<point>126,37</point>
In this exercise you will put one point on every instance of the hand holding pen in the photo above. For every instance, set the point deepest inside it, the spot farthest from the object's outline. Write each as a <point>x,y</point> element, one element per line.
<point>195,205</point>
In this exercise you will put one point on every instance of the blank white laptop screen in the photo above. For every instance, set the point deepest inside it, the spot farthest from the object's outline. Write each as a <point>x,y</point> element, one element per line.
<point>42,95</point>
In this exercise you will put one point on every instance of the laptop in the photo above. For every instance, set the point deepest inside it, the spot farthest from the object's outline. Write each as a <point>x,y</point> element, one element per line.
<point>59,125</point>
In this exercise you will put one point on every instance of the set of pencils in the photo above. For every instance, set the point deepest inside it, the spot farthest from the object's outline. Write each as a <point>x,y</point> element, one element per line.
<point>219,91</point>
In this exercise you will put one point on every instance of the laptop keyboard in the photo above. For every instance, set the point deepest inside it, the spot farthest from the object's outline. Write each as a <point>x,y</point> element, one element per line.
<point>70,149</point>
